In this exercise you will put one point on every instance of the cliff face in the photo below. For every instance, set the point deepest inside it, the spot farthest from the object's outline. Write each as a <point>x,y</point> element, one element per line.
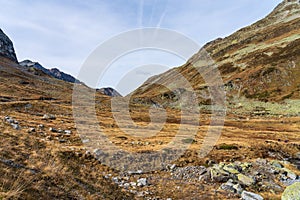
<point>6,47</point>
<point>261,61</point>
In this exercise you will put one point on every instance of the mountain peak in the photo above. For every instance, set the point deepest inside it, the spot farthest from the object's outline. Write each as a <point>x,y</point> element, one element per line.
<point>6,47</point>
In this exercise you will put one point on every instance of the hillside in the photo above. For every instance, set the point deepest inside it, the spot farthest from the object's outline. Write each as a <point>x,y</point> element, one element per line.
<point>261,61</point>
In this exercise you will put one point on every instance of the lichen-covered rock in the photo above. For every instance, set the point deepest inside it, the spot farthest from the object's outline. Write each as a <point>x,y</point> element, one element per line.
<point>292,192</point>
<point>6,47</point>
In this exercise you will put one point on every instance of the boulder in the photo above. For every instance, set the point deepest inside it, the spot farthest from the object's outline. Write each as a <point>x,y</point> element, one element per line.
<point>292,192</point>
<point>245,180</point>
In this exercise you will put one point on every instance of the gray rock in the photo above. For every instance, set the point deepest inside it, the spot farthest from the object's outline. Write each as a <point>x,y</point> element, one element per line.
<point>15,126</point>
<point>142,182</point>
<point>68,132</point>
<point>277,164</point>
<point>53,130</point>
<point>228,186</point>
<point>133,184</point>
<point>251,196</point>
<point>238,188</point>
<point>218,174</point>
<point>41,126</point>
<point>135,172</point>
<point>49,116</point>
<point>291,175</point>
<point>172,167</point>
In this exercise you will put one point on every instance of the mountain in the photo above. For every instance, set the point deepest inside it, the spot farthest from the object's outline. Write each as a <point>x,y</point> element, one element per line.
<point>7,48</point>
<point>261,62</point>
<point>54,72</point>
<point>109,92</point>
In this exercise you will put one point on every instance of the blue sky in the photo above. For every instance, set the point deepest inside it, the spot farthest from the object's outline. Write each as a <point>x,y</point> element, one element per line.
<point>62,33</point>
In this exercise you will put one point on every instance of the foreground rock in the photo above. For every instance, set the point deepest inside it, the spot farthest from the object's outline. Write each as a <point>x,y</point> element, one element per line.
<point>292,192</point>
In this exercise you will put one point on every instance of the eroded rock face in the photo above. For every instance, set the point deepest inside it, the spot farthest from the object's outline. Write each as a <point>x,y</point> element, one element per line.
<point>6,47</point>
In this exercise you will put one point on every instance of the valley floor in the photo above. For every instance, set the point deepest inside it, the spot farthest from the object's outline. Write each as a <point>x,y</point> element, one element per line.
<point>43,157</point>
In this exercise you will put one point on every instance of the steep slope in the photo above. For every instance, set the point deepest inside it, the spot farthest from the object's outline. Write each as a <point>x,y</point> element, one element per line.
<point>7,48</point>
<point>261,61</point>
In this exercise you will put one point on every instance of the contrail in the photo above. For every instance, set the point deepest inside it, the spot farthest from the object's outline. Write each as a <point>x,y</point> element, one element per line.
<point>163,15</point>
<point>152,12</point>
<point>141,14</point>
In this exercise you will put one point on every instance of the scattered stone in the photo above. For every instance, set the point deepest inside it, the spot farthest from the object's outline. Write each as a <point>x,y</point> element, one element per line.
<point>41,127</point>
<point>228,186</point>
<point>48,117</point>
<point>292,192</point>
<point>133,184</point>
<point>189,172</point>
<point>261,161</point>
<point>218,174</point>
<point>68,132</point>
<point>15,126</point>
<point>31,130</point>
<point>245,166</point>
<point>238,188</point>
<point>142,182</point>
<point>277,164</point>
<point>53,130</point>
<point>126,185</point>
<point>245,180</point>
<point>291,175</point>
<point>251,196</point>
<point>135,172</point>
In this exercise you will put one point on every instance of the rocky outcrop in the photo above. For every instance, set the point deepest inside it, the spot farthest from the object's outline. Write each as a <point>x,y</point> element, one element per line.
<point>56,73</point>
<point>109,92</point>
<point>7,48</point>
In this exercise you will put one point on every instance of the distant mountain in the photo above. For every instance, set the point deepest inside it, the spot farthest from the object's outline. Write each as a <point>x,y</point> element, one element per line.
<point>54,72</point>
<point>109,92</point>
<point>261,62</point>
<point>7,48</point>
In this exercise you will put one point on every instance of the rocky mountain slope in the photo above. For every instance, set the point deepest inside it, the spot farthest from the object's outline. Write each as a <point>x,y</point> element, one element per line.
<point>109,92</point>
<point>54,72</point>
<point>261,61</point>
<point>7,48</point>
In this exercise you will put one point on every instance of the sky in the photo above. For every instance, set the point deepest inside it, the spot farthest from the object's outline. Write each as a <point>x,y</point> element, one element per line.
<point>63,33</point>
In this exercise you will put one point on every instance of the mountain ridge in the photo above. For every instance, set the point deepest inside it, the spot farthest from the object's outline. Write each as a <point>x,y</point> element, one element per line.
<point>254,62</point>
